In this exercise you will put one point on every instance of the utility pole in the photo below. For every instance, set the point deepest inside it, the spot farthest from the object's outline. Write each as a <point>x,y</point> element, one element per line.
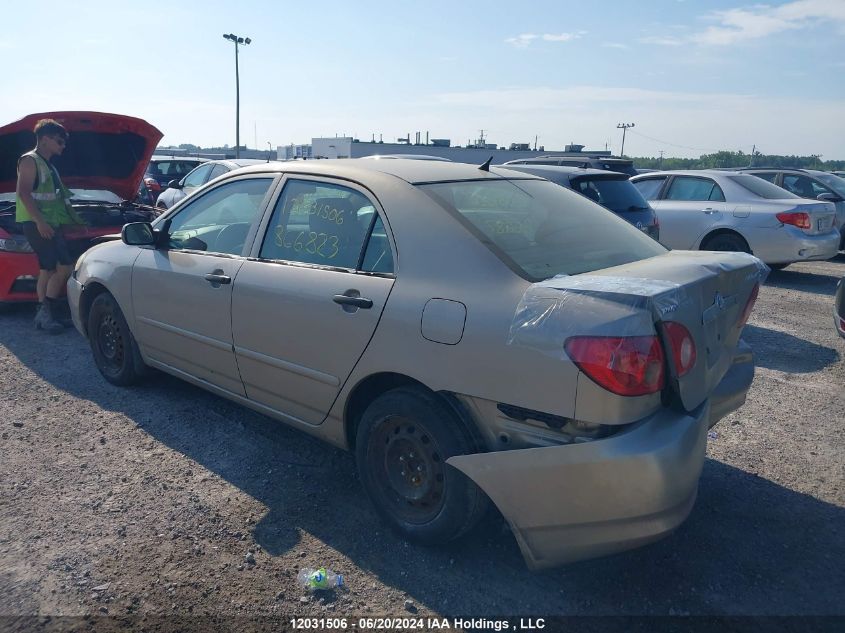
<point>661,159</point>
<point>624,127</point>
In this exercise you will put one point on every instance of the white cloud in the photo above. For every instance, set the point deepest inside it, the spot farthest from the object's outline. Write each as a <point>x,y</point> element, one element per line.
<point>614,45</point>
<point>662,40</point>
<point>525,39</point>
<point>739,25</point>
<point>522,41</point>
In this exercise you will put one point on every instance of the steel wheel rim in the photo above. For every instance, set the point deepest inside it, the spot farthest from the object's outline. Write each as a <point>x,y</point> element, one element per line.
<point>110,342</point>
<point>407,469</point>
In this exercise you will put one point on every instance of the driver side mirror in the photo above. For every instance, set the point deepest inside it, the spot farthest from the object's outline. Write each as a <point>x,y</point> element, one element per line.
<point>174,184</point>
<point>828,197</point>
<point>138,234</point>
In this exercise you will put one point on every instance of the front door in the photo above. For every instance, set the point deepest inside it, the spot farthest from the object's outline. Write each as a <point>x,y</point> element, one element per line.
<point>304,309</point>
<point>182,294</point>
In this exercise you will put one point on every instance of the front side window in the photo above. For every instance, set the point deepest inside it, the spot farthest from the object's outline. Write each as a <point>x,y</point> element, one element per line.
<point>217,170</point>
<point>650,187</point>
<point>687,188</point>
<point>197,177</point>
<point>318,223</point>
<point>803,186</point>
<point>540,229</point>
<point>219,220</point>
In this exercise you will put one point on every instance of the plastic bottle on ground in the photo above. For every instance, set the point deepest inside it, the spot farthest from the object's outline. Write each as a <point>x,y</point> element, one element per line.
<point>319,579</point>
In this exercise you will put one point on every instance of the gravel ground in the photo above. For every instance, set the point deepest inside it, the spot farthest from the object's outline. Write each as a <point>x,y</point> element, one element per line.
<point>164,500</point>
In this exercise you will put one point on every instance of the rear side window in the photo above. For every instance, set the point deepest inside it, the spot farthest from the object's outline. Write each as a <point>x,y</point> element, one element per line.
<point>322,223</point>
<point>769,175</point>
<point>650,187</point>
<point>540,229</point>
<point>617,195</point>
<point>694,189</point>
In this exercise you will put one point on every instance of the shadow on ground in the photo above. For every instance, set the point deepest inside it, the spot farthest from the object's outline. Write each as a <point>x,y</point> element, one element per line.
<point>816,283</point>
<point>750,546</point>
<point>784,352</point>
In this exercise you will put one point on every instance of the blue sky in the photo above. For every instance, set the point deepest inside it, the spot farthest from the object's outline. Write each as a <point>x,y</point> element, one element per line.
<point>694,76</point>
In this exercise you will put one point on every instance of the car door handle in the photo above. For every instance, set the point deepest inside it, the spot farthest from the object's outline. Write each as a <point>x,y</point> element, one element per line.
<point>358,302</point>
<point>710,210</point>
<point>216,278</point>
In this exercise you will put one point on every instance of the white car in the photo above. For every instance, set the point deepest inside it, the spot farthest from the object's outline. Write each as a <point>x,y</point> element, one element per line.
<point>715,210</point>
<point>197,177</point>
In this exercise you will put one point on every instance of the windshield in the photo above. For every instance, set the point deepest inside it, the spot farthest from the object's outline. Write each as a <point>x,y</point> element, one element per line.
<point>762,188</point>
<point>540,229</point>
<point>834,182</point>
<point>619,196</point>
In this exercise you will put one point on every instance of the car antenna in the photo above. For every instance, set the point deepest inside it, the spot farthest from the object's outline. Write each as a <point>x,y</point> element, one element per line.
<point>486,165</point>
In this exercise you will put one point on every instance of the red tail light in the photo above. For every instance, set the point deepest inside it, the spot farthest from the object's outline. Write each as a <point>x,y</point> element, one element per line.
<point>628,366</point>
<point>748,306</point>
<point>683,347</point>
<point>152,184</point>
<point>799,219</point>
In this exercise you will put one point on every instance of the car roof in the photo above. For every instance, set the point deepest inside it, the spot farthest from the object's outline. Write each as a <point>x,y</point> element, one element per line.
<point>174,157</point>
<point>408,156</point>
<point>689,172</point>
<point>552,170</point>
<point>411,171</point>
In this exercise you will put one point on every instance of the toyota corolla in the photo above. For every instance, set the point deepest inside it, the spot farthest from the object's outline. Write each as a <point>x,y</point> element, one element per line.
<point>472,336</point>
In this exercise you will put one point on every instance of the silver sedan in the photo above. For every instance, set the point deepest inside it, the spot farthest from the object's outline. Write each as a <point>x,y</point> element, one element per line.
<point>731,211</point>
<point>471,336</point>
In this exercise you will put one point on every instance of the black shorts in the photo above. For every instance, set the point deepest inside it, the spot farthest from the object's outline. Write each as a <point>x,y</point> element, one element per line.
<point>50,252</point>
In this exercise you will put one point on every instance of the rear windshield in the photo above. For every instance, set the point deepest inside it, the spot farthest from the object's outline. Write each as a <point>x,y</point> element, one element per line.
<point>540,229</point>
<point>622,166</point>
<point>760,187</point>
<point>620,196</point>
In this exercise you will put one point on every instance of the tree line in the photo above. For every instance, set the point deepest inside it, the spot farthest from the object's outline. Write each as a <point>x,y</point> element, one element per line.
<point>739,159</point>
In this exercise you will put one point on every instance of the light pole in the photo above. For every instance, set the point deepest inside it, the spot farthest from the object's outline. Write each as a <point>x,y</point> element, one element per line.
<point>237,40</point>
<point>624,127</point>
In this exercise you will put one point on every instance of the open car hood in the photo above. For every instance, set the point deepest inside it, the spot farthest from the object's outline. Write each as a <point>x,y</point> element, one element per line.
<point>104,151</point>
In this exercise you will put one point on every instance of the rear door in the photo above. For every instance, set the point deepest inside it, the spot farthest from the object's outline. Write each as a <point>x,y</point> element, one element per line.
<point>691,205</point>
<point>182,294</point>
<point>306,305</point>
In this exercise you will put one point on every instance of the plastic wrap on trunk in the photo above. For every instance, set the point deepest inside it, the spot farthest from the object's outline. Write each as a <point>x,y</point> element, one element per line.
<point>551,311</point>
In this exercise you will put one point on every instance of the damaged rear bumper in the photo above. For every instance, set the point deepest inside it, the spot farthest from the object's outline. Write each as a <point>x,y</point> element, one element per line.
<point>576,501</point>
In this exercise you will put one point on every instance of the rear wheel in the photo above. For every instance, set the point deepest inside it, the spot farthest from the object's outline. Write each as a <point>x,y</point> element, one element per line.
<point>404,439</point>
<point>726,242</point>
<point>112,344</point>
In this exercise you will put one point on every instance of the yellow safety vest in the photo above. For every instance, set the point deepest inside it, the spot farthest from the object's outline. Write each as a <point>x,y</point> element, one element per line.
<point>51,196</point>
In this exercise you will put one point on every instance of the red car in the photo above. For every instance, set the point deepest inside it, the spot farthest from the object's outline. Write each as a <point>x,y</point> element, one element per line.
<point>103,165</point>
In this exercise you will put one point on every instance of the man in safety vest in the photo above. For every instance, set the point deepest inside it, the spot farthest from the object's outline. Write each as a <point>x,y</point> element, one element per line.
<point>43,208</point>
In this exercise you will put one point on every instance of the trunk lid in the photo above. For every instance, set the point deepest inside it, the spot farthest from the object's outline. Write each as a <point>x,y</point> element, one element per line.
<point>708,295</point>
<point>104,151</point>
<point>706,292</point>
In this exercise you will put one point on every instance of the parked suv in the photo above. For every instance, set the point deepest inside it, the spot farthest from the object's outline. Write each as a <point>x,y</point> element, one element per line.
<point>621,165</point>
<point>162,169</point>
<point>611,190</point>
<point>812,184</point>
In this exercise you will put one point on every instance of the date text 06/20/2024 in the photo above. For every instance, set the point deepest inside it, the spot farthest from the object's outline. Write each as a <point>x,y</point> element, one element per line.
<point>420,624</point>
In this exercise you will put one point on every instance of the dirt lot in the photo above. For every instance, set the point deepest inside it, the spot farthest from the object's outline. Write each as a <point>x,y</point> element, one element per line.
<point>155,501</point>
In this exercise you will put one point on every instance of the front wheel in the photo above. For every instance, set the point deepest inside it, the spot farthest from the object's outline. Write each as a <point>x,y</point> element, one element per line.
<point>404,439</point>
<point>112,344</point>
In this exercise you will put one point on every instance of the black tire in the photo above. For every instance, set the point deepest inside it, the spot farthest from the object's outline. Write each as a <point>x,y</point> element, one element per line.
<point>112,344</point>
<point>403,441</point>
<point>726,242</point>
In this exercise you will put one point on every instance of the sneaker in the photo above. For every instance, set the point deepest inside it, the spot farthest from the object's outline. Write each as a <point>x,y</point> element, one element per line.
<point>44,319</point>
